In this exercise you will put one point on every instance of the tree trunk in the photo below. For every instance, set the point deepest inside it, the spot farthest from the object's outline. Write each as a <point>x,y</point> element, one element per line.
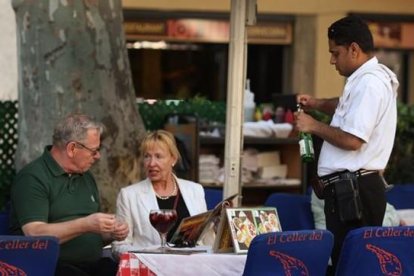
<point>73,59</point>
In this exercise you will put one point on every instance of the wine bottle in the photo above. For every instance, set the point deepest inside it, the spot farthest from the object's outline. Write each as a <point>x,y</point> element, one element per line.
<point>307,153</point>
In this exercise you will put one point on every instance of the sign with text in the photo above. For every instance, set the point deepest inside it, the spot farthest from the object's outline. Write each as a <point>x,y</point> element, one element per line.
<point>203,30</point>
<point>394,35</point>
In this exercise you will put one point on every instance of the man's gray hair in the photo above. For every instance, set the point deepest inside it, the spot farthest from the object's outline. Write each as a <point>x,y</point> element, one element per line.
<point>74,127</point>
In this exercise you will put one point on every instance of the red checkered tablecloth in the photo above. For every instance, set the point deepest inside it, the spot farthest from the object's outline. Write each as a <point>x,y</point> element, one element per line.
<point>130,265</point>
<point>201,264</point>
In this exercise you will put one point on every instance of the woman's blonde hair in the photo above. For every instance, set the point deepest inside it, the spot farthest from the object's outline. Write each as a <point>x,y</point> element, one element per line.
<point>160,136</point>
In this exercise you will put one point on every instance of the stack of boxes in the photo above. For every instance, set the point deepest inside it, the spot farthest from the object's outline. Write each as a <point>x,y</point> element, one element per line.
<point>256,166</point>
<point>269,165</point>
<point>264,165</point>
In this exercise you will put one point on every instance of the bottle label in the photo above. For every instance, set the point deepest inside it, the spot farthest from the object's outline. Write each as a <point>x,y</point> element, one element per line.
<point>306,148</point>
<point>302,147</point>
<point>310,145</point>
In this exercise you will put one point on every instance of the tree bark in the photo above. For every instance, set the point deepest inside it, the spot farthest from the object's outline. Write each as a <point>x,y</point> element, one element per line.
<point>73,58</point>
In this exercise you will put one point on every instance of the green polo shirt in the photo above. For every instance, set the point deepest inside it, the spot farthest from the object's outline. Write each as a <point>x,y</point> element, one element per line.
<point>42,191</point>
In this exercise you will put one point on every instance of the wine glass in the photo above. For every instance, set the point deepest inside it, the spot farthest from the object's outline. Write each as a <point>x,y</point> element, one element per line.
<point>163,220</point>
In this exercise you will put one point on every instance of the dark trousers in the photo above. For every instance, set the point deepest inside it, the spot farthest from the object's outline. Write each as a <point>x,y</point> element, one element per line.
<point>102,267</point>
<point>372,193</point>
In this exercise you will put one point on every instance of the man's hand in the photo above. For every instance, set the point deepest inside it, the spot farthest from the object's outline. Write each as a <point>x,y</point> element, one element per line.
<point>307,102</point>
<point>332,135</point>
<point>100,223</point>
<point>121,230</point>
<point>304,122</point>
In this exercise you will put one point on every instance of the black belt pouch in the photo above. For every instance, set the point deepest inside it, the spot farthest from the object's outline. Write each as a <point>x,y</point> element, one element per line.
<point>348,199</point>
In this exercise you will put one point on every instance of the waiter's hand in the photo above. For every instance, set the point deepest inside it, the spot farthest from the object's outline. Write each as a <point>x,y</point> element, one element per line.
<point>307,102</point>
<point>304,122</point>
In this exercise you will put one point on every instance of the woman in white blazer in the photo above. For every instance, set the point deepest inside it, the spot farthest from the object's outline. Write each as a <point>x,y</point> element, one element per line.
<point>158,191</point>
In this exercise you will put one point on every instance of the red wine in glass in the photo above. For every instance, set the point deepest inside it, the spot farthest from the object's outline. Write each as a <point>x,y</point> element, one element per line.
<point>163,220</point>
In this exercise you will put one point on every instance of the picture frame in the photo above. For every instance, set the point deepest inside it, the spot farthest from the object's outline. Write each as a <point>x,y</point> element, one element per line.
<point>238,227</point>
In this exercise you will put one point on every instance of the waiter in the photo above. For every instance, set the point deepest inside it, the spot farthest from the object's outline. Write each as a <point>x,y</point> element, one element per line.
<point>359,140</point>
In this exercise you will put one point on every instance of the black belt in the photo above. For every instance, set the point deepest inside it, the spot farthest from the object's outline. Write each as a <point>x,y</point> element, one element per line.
<point>333,177</point>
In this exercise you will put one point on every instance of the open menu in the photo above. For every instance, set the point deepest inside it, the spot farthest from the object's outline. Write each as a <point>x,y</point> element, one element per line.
<point>192,229</point>
<point>238,227</point>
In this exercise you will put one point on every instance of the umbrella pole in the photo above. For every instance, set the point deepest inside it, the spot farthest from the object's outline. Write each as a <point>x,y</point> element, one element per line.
<point>235,98</point>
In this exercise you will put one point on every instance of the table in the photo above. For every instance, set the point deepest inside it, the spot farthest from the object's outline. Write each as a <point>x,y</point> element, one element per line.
<point>200,264</point>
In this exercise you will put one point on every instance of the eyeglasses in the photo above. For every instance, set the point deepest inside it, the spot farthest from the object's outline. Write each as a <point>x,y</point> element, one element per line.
<point>92,151</point>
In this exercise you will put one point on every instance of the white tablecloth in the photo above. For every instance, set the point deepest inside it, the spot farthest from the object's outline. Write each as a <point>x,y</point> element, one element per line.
<point>201,264</point>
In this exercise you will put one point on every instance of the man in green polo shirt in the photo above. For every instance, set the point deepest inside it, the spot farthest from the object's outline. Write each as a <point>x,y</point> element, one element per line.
<point>56,195</point>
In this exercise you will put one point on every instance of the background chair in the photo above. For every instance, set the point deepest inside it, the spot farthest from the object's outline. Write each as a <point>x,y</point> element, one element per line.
<point>294,210</point>
<point>378,251</point>
<point>401,196</point>
<point>213,197</point>
<point>5,219</point>
<point>304,252</point>
<point>21,255</point>
<point>4,223</point>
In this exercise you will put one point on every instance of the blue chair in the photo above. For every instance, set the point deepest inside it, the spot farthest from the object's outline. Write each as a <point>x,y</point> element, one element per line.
<point>378,251</point>
<point>304,252</point>
<point>21,255</point>
<point>213,197</point>
<point>4,223</point>
<point>294,210</point>
<point>401,196</point>
<point>5,219</point>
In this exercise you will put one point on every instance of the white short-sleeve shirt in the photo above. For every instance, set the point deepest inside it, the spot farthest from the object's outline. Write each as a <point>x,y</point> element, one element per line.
<point>368,110</point>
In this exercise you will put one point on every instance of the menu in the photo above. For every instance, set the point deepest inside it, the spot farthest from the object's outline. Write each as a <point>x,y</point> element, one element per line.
<point>192,229</point>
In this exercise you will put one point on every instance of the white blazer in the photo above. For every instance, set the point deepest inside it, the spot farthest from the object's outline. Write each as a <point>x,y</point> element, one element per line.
<point>134,203</point>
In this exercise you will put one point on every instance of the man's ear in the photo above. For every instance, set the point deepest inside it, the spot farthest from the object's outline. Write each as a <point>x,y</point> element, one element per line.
<point>355,49</point>
<point>70,149</point>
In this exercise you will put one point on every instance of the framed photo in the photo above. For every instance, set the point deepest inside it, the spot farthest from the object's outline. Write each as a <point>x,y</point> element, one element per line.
<point>241,225</point>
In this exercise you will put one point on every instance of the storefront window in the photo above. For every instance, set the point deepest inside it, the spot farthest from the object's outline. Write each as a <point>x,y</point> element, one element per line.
<point>185,70</point>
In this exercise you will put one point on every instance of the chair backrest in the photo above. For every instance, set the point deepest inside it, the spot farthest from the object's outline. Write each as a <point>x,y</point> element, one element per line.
<point>5,220</point>
<point>21,255</point>
<point>378,251</point>
<point>294,210</point>
<point>401,196</point>
<point>213,197</point>
<point>304,252</point>
<point>4,223</point>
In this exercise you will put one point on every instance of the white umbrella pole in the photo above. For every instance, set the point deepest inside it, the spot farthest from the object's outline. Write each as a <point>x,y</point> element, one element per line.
<point>235,98</point>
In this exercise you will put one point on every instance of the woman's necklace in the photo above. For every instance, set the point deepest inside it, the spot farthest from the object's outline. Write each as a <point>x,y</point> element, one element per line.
<point>170,195</point>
